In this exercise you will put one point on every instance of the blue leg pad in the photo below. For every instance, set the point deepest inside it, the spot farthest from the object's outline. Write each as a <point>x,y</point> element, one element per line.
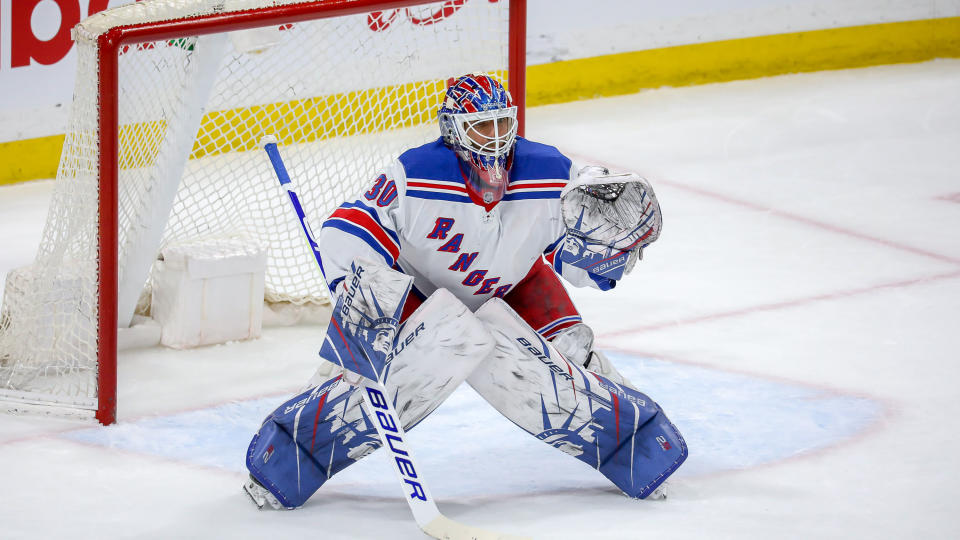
<point>273,460</point>
<point>308,439</point>
<point>647,456</point>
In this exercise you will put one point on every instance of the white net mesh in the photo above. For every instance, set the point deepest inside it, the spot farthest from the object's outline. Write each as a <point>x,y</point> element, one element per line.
<point>342,95</point>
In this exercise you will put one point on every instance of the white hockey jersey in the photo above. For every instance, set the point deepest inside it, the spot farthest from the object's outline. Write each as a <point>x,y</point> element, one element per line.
<point>419,218</point>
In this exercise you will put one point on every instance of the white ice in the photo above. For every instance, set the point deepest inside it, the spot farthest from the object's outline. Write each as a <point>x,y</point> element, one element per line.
<point>799,320</point>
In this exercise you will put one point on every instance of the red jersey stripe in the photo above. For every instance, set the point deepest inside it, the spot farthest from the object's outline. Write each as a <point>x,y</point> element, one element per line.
<point>530,185</point>
<point>445,187</point>
<point>363,220</point>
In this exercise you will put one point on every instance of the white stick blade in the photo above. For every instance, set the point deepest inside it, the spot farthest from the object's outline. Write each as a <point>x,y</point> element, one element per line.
<point>445,528</point>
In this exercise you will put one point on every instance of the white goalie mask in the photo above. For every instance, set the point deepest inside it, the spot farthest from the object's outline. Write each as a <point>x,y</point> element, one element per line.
<point>487,133</point>
<point>479,122</point>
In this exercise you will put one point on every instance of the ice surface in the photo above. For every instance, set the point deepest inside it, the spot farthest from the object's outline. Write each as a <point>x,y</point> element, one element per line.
<point>753,421</point>
<point>797,319</point>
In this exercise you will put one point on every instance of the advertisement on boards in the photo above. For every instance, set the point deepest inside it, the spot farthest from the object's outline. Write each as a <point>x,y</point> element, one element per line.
<point>38,63</point>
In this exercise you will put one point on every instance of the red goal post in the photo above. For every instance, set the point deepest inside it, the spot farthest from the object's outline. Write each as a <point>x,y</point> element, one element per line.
<point>127,146</point>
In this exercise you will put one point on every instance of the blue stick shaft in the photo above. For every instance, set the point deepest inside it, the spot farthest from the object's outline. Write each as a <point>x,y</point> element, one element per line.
<point>284,178</point>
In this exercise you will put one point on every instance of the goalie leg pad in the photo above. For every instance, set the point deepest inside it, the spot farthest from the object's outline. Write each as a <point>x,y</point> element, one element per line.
<point>324,429</point>
<point>614,428</point>
<point>308,439</point>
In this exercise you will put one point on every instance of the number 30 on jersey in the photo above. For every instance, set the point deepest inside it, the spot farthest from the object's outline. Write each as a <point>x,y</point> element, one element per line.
<point>383,190</point>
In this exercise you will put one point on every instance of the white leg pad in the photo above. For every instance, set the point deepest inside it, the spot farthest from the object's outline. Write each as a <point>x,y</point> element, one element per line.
<point>610,426</point>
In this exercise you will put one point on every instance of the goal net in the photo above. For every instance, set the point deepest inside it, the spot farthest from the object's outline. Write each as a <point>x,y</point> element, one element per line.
<point>172,98</point>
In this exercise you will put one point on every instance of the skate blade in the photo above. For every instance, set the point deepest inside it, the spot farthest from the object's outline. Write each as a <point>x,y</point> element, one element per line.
<point>260,496</point>
<point>252,491</point>
<point>659,494</point>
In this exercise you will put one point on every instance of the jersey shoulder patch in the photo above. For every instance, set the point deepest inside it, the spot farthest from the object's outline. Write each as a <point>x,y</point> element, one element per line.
<point>536,161</point>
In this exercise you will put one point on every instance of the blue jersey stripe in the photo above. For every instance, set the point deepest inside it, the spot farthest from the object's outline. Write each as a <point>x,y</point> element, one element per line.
<point>416,193</point>
<point>532,195</point>
<point>362,234</point>
<point>548,327</point>
<point>440,196</point>
<point>359,205</point>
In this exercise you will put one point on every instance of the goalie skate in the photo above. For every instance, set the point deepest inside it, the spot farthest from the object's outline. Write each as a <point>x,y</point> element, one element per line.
<point>660,493</point>
<point>260,495</point>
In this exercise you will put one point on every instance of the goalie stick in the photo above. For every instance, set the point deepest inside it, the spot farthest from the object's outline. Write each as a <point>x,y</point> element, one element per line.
<point>377,405</point>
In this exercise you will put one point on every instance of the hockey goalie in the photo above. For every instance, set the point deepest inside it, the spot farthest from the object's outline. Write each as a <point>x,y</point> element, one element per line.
<point>449,267</point>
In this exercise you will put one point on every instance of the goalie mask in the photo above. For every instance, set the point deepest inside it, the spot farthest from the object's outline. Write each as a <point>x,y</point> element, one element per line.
<point>478,121</point>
